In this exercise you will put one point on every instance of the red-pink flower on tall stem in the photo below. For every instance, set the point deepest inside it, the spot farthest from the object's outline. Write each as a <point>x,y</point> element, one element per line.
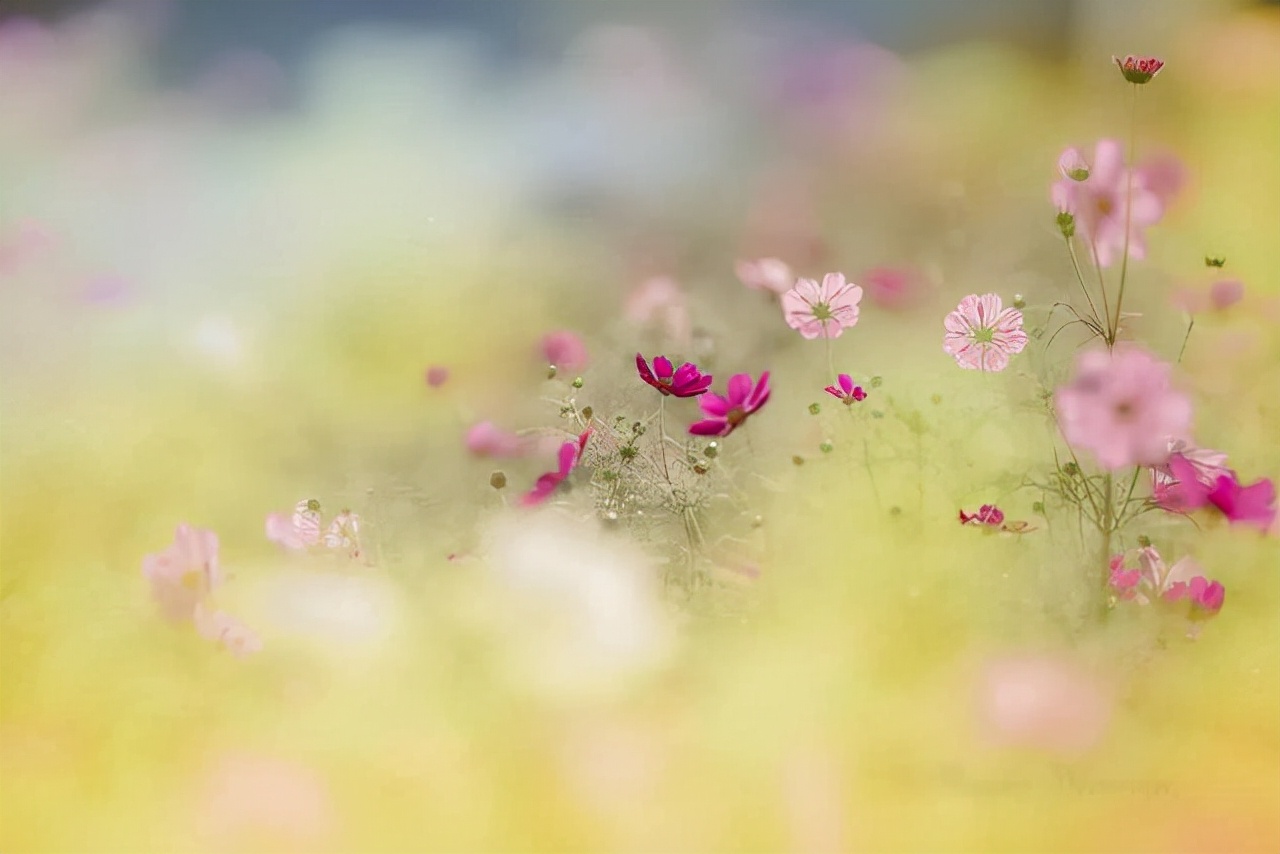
<point>981,334</point>
<point>1121,406</point>
<point>684,381</point>
<point>569,456</point>
<point>565,350</point>
<point>185,573</point>
<point>725,414</point>
<point>845,391</point>
<point>766,274</point>
<point>822,310</point>
<point>1098,204</point>
<point>1138,69</point>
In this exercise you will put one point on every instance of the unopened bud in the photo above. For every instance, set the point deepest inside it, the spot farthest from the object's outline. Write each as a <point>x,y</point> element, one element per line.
<point>577,382</point>
<point>551,372</point>
<point>1138,69</point>
<point>797,460</point>
<point>1144,541</point>
<point>1215,261</point>
<point>587,412</point>
<point>498,480</point>
<point>814,409</point>
<point>1071,164</point>
<point>712,450</point>
<point>1018,302</point>
<point>826,447</point>
<point>1066,224</point>
<point>876,382</point>
<point>1038,508</point>
<point>1071,469</point>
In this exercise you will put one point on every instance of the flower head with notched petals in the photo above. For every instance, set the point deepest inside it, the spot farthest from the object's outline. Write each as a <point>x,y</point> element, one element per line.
<point>845,391</point>
<point>185,573</point>
<point>822,310</point>
<point>684,381</point>
<point>1138,69</point>
<point>982,334</point>
<point>724,414</point>
<point>1112,206</point>
<point>1121,406</point>
<point>569,456</point>
<point>1188,488</point>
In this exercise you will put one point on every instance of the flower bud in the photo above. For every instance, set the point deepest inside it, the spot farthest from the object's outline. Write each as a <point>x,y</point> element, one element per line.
<point>814,409</point>
<point>498,480</point>
<point>577,382</point>
<point>1018,302</point>
<point>826,447</point>
<point>551,372</point>
<point>1071,164</point>
<point>587,412</point>
<point>1215,261</point>
<point>1066,224</point>
<point>712,450</point>
<point>797,460</point>
<point>1144,541</point>
<point>876,382</point>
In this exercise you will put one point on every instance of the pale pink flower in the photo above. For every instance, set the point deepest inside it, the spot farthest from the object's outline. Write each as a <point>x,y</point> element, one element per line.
<point>437,375</point>
<point>982,334</point>
<point>1098,204</point>
<point>298,532</point>
<point>565,350</point>
<point>894,288</point>
<point>185,573</point>
<point>766,274</point>
<point>486,439</point>
<point>1043,703</point>
<point>660,300</point>
<point>1122,407</point>
<point>822,310</point>
<point>225,630</point>
<point>1226,293</point>
<point>344,534</point>
<point>1164,175</point>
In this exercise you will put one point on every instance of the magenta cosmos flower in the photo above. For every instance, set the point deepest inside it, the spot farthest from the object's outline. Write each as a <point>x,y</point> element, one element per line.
<point>185,573</point>
<point>1122,407</point>
<point>988,514</point>
<point>1098,203</point>
<point>1188,489</point>
<point>1138,69</point>
<point>845,391</point>
<point>724,414</point>
<point>822,310</point>
<point>982,334</point>
<point>684,381</point>
<point>570,455</point>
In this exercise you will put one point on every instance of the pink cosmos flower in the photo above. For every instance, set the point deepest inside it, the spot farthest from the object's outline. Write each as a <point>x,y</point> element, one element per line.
<point>570,455</point>
<point>988,514</point>
<point>1164,175</point>
<point>486,439</point>
<point>1138,69</point>
<point>684,381</point>
<point>894,288</point>
<point>565,350</point>
<point>1044,703</point>
<point>226,631</point>
<point>1124,581</point>
<point>1205,466</point>
<point>847,393</point>
<point>185,573</point>
<point>660,300</point>
<point>724,414</point>
<point>298,532</point>
<point>1098,204</point>
<point>1189,489</point>
<point>766,274</point>
<point>344,534</point>
<point>1121,406</point>
<point>437,375</point>
<point>1226,293</point>
<point>1206,597</point>
<point>822,310</point>
<point>982,334</point>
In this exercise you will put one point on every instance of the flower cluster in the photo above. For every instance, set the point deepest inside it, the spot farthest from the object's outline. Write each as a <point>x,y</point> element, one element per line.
<point>1152,581</point>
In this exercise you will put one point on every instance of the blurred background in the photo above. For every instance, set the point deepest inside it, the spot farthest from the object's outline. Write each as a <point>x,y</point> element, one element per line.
<point>235,234</point>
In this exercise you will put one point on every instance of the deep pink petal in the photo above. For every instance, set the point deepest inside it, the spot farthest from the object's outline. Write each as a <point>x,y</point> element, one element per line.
<point>709,427</point>
<point>739,388</point>
<point>714,405</point>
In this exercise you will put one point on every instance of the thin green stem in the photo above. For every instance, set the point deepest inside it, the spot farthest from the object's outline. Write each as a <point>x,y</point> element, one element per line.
<point>1186,338</point>
<point>662,434</point>
<point>1075,265</point>
<point>831,370</point>
<point>1128,205</point>
<point>1109,337</point>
